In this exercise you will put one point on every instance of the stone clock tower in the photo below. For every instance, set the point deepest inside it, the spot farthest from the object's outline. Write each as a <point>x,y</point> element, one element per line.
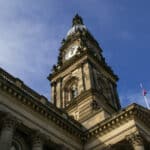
<point>82,83</point>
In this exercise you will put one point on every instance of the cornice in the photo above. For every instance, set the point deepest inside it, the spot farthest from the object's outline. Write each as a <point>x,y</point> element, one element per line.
<point>15,88</point>
<point>70,62</point>
<point>85,94</point>
<point>38,103</point>
<point>133,111</point>
<point>66,65</point>
<point>103,64</point>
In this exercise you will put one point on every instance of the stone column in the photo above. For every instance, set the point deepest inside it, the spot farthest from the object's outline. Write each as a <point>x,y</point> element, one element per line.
<point>61,101</point>
<point>37,142</point>
<point>87,73</point>
<point>58,103</point>
<point>8,126</point>
<point>136,141</point>
<point>52,93</point>
<point>83,76</point>
<point>91,76</point>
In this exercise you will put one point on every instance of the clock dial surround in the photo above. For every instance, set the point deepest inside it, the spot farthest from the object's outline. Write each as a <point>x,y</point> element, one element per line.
<point>71,51</point>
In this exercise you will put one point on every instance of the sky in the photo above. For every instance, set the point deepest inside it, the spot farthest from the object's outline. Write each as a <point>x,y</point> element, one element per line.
<point>31,32</point>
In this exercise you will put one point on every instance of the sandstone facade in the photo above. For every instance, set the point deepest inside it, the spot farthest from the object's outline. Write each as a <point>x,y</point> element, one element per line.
<point>84,112</point>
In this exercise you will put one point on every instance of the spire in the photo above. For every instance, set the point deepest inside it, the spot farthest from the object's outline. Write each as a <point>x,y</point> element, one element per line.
<point>77,20</point>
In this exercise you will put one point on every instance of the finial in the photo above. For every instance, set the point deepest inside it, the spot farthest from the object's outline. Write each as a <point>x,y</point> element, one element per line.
<point>77,20</point>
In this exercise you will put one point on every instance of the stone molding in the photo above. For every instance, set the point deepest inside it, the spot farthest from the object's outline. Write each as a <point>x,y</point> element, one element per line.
<point>131,112</point>
<point>70,62</point>
<point>37,139</point>
<point>135,139</point>
<point>9,122</point>
<point>47,110</point>
<point>56,115</point>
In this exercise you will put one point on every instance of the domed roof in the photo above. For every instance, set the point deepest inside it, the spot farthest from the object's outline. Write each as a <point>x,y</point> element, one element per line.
<point>76,28</point>
<point>77,24</point>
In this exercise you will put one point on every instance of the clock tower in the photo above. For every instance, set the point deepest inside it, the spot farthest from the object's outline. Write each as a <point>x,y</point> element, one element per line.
<point>82,83</point>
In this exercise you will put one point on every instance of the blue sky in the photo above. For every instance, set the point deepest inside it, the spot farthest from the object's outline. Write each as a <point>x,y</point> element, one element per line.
<point>31,33</point>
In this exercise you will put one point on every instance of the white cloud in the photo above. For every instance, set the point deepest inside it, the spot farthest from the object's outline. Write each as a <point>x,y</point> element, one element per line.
<point>27,45</point>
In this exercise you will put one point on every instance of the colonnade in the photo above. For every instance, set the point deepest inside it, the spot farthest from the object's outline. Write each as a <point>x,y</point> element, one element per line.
<point>134,140</point>
<point>8,127</point>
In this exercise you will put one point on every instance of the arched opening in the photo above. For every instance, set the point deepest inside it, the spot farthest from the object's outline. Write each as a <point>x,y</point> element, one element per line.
<point>70,90</point>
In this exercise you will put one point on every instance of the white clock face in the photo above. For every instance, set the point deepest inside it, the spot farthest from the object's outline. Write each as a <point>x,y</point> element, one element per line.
<point>71,52</point>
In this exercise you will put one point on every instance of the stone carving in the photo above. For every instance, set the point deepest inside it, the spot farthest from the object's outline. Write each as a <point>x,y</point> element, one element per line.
<point>135,139</point>
<point>37,140</point>
<point>95,105</point>
<point>9,122</point>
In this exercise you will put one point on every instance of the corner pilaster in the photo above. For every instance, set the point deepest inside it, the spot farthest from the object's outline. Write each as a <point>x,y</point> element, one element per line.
<point>9,124</point>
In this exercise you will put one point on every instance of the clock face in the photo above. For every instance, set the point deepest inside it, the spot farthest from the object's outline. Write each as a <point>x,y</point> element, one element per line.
<point>71,51</point>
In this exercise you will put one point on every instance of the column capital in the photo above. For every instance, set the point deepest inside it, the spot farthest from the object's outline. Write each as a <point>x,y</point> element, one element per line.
<point>9,122</point>
<point>135,139</point>
<point>37,139</point>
